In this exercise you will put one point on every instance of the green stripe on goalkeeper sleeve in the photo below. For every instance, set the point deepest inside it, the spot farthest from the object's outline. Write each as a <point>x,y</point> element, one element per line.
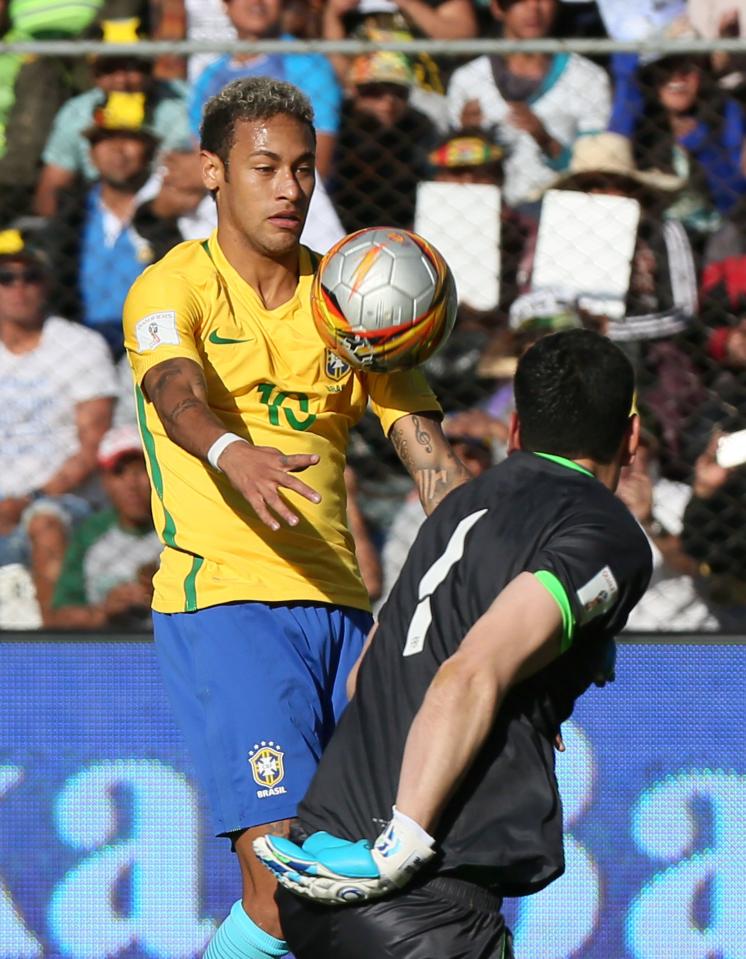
<point>550,582</point>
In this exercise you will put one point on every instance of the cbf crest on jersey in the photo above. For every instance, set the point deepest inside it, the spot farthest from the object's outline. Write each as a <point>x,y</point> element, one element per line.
<point>268,768</point>
<point>336,367</point>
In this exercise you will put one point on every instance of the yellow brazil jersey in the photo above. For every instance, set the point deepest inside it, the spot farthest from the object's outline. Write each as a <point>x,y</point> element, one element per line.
<point>271,380</point>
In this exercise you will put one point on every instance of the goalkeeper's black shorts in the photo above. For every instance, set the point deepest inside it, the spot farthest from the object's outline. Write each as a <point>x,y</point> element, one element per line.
<point>443,918</point>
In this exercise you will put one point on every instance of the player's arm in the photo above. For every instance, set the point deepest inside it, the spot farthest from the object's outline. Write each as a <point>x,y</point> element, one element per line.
<point>178,391</point>
<point>427,456</point>
<point>518,635</point>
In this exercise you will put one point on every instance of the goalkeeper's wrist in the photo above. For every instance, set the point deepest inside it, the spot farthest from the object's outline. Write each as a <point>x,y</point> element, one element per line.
<point>413,828</point>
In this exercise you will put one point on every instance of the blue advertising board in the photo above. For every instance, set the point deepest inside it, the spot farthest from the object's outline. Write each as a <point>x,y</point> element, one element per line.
<point>105,849</point>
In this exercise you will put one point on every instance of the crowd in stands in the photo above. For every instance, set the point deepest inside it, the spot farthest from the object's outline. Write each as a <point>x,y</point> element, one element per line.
<point>533,171</point>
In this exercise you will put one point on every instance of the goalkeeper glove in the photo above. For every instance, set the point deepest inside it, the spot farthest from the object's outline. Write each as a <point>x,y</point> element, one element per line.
<point>336,871</point>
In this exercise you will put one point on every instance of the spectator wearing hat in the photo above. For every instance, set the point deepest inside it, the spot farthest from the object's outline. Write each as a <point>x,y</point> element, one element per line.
<point>536,105</point>
<point>662,297</point>
<point>383,145</point>
<point>97,250</point>
<point>469,156</point>
<point>382,20</point>
<point>662,300</point>
<point>108,566</point>
<point>310,72</point>
<point>67,154</point>
<point>57,386</point>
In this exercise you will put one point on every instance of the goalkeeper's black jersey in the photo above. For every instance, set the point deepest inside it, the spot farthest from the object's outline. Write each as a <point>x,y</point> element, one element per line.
<point>531,513</point>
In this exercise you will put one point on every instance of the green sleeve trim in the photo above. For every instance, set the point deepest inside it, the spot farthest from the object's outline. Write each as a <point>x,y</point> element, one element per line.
<point>169,528</point>
<point>550,582</point>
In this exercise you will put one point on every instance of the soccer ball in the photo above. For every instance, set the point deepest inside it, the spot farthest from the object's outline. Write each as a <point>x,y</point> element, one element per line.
<point>383,299</point>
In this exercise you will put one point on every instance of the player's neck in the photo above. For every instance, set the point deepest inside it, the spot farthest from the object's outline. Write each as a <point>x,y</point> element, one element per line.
<point>273,278</point>
<point>606,473</point>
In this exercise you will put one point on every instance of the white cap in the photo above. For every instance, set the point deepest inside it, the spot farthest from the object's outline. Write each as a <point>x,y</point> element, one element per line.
<point>119,441</point>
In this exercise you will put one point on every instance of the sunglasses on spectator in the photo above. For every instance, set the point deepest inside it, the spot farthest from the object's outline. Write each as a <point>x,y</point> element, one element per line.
<point>377,90</point>
<point>31,274</point>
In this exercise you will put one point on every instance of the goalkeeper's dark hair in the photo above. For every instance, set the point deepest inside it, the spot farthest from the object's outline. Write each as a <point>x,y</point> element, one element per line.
<point>574,393</point>
<point>250,98</point>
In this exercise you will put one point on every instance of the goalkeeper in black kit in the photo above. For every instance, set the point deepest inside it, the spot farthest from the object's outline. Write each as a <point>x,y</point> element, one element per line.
<point>436,796</point>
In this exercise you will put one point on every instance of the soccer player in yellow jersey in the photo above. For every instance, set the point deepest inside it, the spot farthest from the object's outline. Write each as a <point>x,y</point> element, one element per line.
<point>260,611</point>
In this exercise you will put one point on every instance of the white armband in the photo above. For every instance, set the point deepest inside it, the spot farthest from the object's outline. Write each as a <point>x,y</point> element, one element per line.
<point>217,448</point>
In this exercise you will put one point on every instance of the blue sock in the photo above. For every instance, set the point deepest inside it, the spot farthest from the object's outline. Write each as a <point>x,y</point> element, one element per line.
<point>239,937</point>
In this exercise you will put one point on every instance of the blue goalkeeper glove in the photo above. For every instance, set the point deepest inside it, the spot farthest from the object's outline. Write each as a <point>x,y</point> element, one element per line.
<point>336,871</point>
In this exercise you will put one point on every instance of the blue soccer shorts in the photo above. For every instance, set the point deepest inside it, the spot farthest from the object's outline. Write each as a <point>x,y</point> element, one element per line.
<point>257,690</point>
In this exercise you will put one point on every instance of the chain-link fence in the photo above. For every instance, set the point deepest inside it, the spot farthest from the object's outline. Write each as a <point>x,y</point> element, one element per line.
<point>574,183</point>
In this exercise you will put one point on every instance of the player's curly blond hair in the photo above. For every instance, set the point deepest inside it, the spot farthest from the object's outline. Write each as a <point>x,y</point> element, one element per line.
<point>250,98</point>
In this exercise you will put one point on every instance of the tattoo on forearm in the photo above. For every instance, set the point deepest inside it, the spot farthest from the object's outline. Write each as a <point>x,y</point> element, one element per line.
<point>434,484</point>
<point>184,406</point>
<point>166,374</point>
<point>402,449</point>
<point>431,484</point>
<point>421,435</point>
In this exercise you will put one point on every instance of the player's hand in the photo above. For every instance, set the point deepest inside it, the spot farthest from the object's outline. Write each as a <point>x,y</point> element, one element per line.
<point>336,871</point>
<point>259,472</point>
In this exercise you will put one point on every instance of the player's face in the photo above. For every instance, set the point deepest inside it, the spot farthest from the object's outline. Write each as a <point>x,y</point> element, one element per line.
<point>265,191</point>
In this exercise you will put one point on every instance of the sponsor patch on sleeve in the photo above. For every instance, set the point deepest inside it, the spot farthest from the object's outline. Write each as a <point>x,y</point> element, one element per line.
<point>598,595</point>
<point>157,329</point>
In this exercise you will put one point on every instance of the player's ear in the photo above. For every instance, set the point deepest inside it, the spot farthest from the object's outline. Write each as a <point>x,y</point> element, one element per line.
<point>213,171</point>
<point>514,433</point>
<point>631,440</point>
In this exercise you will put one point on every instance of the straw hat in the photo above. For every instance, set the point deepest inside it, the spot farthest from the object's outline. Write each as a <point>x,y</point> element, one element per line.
<point>610,154</point>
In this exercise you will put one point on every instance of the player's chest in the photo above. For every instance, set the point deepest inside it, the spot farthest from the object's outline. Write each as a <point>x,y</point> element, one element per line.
<point>277,365</point>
